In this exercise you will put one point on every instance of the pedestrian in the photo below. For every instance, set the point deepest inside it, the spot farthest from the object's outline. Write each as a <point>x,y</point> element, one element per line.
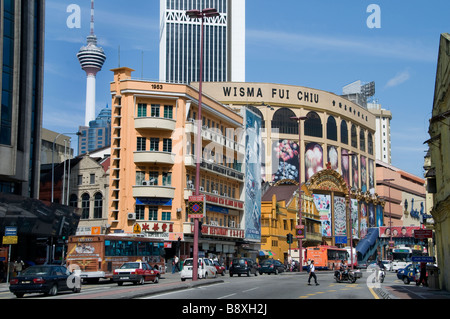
<point>312,273</point>
<point>423,275</point>
<point>18,266</point>
<point>2,271</point>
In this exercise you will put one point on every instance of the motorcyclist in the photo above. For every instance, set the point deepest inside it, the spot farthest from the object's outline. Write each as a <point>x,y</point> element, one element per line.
<point>343,269</point>
<point>380,267</point>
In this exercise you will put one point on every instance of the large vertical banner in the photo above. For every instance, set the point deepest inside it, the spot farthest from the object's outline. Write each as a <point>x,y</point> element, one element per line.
<point>345,165</point>
<point>313,159</point>
<point>333,158</point>
<point>372,217</point>
<point>340,217</point>
<point>252,209</point>
<point>364,220</point>
<point>323,205</point>
<point>355,222</point>
<point>363,174</point>
<point>355,171</point>
<point>371,176</point>
<point>379,216</point>
<point>285,160</point>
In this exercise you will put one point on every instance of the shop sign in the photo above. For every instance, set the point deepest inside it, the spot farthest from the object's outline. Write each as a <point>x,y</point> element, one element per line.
<point>156,227</point>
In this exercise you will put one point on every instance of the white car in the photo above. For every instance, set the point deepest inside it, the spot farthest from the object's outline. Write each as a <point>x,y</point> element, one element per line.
<point>206,269</point>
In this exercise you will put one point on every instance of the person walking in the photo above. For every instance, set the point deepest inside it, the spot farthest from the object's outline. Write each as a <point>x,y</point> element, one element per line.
<point>312,273</point>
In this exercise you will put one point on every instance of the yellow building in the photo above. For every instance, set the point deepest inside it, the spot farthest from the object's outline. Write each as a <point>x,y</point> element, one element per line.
<point>438,174</point>
<point>153,165</point>
<point>279,217</point>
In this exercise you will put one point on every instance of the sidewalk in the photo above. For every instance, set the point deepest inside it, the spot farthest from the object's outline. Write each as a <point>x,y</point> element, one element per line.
<point>410,292</point>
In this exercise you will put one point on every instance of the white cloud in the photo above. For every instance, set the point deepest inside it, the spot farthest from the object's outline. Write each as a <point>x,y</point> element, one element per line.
<point>398,79</point>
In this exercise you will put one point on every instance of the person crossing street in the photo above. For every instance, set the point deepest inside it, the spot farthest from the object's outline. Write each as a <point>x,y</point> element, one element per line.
<point>312,273</point>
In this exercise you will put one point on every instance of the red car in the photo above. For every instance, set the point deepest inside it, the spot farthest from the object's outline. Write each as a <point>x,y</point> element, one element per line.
<point>136,272</point>
<point>220,269</point>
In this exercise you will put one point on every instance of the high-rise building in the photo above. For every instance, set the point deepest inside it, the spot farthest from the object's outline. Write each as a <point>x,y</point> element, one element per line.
<point>92,58</point>
<point>224,42</point>
<point>382,133</point>
<point>22,69</point>
<point>97,134</point>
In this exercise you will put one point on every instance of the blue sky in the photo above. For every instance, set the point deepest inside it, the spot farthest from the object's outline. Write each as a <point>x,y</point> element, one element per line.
<point>319,44</point>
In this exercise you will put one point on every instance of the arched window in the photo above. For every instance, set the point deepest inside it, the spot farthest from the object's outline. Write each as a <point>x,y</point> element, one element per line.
<point>73,200</point>
<point>370,143</point>
<point>85,206</point>
<point>283,122</point>
<point>313,125</point>
<point>344,132</point>
<point>354,137</point>
<point>331,129</point>
<point>362,140</point>
<point>257,111</point>
<point>98,205</point>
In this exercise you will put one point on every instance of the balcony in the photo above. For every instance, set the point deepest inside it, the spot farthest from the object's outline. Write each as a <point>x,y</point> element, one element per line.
<point>154,123</point>
<point>153,157</point>
<point>155,191</point>
<point>235,174</point>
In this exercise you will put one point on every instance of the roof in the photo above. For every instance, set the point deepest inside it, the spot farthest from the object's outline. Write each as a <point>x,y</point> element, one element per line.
<point>282,192</point>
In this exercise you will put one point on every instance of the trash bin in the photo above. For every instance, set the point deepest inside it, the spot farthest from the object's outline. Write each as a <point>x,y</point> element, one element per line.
<point>433,277</point>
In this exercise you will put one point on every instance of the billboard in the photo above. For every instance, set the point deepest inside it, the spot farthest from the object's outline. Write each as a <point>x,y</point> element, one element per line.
<point>323,205</point>
<point>285,160</point>
<point>253,150</point>
<point>313,159</point>
<point>398,231</point>
<point>340,216</point>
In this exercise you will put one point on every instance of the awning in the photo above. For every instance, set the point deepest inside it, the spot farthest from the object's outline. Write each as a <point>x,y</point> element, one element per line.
<point>265,253</point>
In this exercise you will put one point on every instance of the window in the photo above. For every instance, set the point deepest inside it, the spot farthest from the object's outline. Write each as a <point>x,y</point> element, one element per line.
<point>369,144</point>
<point>331,129</point>
<point>80,180</point>
<point>166,216</point>
<point>98,205</point>
<point>354,137</point>
<point>154,144</point>
<point>140,212</point>
<point>283,122</point>
<point>313,125</point>
<point>92,179</point>
<point>167,179</point>
<point>344,133</point>
<point>362,140</point>
<point>73,201</point>
<point>85,206</point>
<point>155,110</point>
<point>167,145</point>
<point>168,111</point>
<point>153,178</point>
<point>142,110</point>
<point>153,213</point>
<point>141,144</point>
<point>140,177</point>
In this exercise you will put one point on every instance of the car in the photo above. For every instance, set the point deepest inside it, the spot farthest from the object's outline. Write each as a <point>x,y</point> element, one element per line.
<point>206,269</point>
<point>220,268</point>
<point>271,266</point>
<point>409,273</point>
<point>47,279</point>
<point>243,266</point>
<point>137,272</point>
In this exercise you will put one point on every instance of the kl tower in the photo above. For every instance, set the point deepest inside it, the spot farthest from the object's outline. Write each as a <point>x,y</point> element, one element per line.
<point>91,58</point>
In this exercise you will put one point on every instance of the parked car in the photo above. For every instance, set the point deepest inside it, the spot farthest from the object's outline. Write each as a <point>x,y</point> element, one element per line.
<point>206,268</point>
<point>47,279</point>
<point>271,266</point>
<point>409,273</point>
<point>220,268</point>
<point>243,266</point>
<point>137,272</point>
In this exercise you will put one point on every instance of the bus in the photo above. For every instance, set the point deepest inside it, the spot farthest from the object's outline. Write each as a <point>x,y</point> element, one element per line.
<point>402,256</point>
<point>96,256</point>
<point>327,257</point>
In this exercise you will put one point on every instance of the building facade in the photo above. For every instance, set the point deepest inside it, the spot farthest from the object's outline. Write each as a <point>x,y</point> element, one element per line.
<point>97,134</point>
<point>224,40</point>
<point>153,165</point>
<point>382,132</point>
<point>438,173</point>
<point>22,69</point>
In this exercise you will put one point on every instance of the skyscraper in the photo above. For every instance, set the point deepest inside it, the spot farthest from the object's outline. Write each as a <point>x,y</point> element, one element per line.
<point>97,134</point>
<point>91,58</point>
<point>22,69</point>
<point>224,42</point>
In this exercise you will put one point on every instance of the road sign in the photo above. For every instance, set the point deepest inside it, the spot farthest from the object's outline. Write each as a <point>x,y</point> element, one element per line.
<point>10,231</point>
<point>197,206</point>
<point>10,240</point>
<point>423,233</point>
<point>137,229</point>
<point>423,259</point>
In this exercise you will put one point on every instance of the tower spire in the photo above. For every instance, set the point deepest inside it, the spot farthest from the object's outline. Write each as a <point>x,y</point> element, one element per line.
<point>92,17</point>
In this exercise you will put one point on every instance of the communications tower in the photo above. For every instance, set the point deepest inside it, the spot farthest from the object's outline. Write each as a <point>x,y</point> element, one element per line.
<point>92,58</point>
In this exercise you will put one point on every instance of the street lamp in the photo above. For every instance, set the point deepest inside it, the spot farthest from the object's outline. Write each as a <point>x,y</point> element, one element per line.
<point>197,14</point>
<point>300,243</point>
<point>350,155</point>
<point>53,163</point>
<point>389,180</point>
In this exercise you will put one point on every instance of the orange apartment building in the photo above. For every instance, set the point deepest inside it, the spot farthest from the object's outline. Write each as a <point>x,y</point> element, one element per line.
<point>153,166</point>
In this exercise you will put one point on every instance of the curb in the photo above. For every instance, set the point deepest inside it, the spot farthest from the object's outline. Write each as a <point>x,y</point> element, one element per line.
<point>384,294</point>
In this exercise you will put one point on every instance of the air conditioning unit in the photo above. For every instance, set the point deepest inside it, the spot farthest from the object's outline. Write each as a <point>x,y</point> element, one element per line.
<point>225,194</point>
<point>215,192</point>
<point>202,188</point>
<point>146,183</point>
<point>131,216</point>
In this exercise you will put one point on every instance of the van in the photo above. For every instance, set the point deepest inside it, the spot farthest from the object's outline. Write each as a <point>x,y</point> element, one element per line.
<point>206,269</point>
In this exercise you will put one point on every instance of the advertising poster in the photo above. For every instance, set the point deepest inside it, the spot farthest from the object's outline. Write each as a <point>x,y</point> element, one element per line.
<point>364,220</point>
<point>363,174</point>
<point>340,217</point>
<point>313,159</point>
<point>323,205</point>
<point>333,158</point>
<point>355,172</point>
<point>345,166</point>
<point>398,231</point>
<point>285,160</point>
<point>371,176</point>
<point>355,221</point>
<point>252,176</point>
<point>371,215</point>
<point>379,216</point>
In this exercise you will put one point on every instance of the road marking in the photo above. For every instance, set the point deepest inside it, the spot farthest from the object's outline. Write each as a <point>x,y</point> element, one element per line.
<point>250,289</point>
<point>226,296</point>
<point>373,293</point>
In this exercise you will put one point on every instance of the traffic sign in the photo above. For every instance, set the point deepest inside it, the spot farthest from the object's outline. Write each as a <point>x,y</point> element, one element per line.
<point>197,206</point>
<point>10,240</point>
<point>10,231</point>
<point>423,259</point>
<point>137,229</point>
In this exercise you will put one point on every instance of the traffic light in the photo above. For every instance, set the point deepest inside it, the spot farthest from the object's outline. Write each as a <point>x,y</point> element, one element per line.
<point>289,238</point>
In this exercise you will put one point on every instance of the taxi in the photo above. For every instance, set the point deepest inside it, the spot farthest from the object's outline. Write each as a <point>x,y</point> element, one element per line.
<point>137,272</point>
<point>409,273</point>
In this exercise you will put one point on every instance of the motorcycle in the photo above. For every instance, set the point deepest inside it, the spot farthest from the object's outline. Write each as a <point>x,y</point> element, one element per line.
<point>381,275</point>
<point>350,276</point>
